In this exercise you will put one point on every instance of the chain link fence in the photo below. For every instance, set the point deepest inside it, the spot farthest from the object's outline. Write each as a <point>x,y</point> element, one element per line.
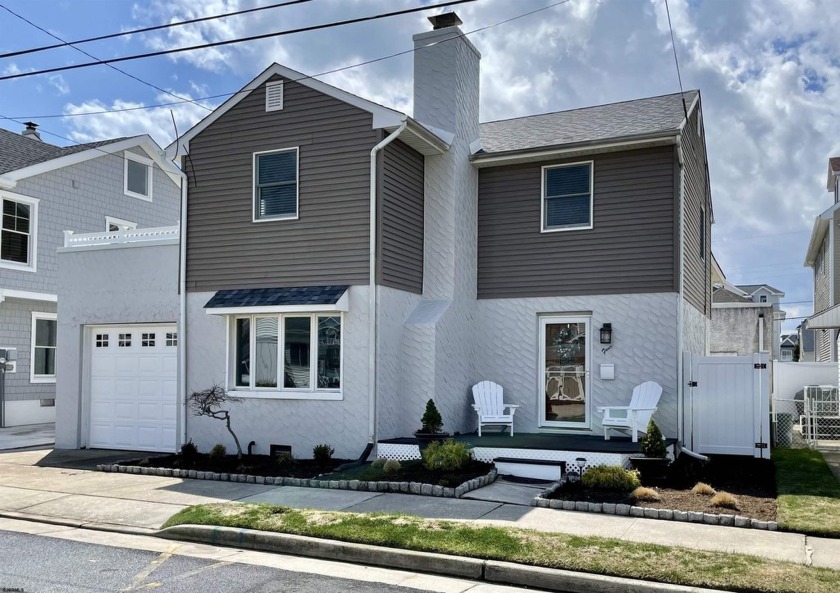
<point>810,419</point>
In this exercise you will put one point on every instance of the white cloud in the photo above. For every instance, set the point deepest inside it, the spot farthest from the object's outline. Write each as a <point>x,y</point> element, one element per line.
<point>59,84</point>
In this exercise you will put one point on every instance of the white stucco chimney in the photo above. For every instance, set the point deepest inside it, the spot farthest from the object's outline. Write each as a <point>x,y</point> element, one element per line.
<point>31,131</point>
<point>446,77</point>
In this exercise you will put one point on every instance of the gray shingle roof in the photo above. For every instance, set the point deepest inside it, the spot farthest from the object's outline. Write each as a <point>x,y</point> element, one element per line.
<point>18,151</point>
<point>589,124</point>
<point>272,297</point>
<point>751,288</point>
<point>722,295</point>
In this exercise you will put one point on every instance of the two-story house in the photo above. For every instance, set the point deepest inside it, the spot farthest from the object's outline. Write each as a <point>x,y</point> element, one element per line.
<point>344,262</point>
<point>111,185</point>
<point>822,258</point>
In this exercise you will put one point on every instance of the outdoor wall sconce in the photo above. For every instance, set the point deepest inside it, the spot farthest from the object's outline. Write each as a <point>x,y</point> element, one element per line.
<point>606,333</point>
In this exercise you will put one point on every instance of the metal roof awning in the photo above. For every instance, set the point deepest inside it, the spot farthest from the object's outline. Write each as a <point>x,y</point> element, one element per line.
<point>828,319</point>
<point>293,299</point>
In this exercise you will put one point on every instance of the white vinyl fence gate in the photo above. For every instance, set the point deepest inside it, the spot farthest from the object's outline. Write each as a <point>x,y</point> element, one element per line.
<point>726,405</point>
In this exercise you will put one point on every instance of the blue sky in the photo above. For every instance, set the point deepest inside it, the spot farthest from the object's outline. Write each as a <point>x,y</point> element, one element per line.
<point>767,70</point>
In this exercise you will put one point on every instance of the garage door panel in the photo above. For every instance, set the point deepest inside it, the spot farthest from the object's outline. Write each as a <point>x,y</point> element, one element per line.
<point>134,391</point>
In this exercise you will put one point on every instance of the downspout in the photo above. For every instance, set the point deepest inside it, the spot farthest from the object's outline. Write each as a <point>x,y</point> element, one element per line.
<point>182,311</point>
<point>372,331</point>
<point>680,358</point>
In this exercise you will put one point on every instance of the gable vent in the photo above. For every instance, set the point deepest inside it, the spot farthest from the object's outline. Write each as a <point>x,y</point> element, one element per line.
<point>274,96</point>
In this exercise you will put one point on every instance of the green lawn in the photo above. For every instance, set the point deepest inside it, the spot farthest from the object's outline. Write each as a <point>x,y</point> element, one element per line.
<point>736,572</point>
<point>808,493</point>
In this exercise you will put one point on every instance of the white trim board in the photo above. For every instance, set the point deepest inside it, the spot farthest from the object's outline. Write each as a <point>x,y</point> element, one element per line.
<point>8,293</point>
<point>39,316</point>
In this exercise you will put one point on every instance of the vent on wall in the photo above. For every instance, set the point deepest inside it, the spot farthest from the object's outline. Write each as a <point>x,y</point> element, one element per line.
<point>274,96</point>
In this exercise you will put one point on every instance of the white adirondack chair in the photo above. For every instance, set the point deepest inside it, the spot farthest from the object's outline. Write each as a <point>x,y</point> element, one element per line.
<point>490,407</point>
<point>636,416</point>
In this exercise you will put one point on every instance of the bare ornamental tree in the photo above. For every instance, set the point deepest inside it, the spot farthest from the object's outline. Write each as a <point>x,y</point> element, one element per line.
<point>211,403</point>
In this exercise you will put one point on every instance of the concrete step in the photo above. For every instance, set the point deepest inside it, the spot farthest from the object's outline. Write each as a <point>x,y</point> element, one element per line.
<point>538,469</point>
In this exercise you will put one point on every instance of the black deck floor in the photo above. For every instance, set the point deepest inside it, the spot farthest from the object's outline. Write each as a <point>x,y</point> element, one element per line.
<point>554,442</point>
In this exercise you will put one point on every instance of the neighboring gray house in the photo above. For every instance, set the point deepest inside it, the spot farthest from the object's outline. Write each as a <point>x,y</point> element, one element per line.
<point>822,258</point>
<point>45,189</point>
<point>787,350</point>
<point>746,319</point>
<point>344,262</point>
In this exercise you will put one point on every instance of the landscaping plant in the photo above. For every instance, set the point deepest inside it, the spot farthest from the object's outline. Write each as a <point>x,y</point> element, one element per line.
<point>643,494</point>
<point>209,402</point>
<point>610,477</point>
<point>391,467</point>
<point>379,462</point>
<point>285,460</point>
<point>189,453</point>
<point>724,500</point>
<point>652,443</point>
<point>218,453</point>
<point>432,422</point>
<point>703,489</point>
<point>446,456</point>
<point>322,454</point>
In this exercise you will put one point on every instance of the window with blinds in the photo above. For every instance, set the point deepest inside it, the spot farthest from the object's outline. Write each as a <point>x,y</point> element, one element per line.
<point>567,197</point>
<point>276,185</point>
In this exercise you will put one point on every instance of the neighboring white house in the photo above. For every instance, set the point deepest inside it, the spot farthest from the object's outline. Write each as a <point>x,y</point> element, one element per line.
<point>102,186</point>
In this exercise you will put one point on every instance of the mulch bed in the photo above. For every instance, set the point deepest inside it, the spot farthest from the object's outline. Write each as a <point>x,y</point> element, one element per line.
<point>255,465</point>
<point>751,481</point>
<point>415,471</point>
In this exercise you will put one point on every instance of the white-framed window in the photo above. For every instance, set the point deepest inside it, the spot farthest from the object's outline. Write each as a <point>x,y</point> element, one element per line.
<point>18,232</point>
<point>290,356</point>
<point>101,340</point>
<point>567,197</point>
<point>42,355</point>
<point>138,176</point>
<point>147,340</point>
<point>274,95</point>
<point>112,225</point>
<point>762,298</point>
<point>171,338</point>
<point>276,185</point>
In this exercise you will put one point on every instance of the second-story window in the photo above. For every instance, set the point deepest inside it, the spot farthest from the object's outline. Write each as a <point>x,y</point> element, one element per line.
<point>567,197</point>
<point>17,232</point>
<point>276,184</point>
<point>138,176</point>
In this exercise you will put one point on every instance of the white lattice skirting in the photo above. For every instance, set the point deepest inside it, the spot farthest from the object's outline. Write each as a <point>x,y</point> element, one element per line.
<point>403,452</point>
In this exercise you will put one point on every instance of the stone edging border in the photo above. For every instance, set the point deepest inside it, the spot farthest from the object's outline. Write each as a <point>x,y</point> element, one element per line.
<point>358,485</point>
<point>627,510</point>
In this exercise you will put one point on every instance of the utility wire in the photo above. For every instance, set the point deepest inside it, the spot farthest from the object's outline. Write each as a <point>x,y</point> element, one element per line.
<point>147,29</point>
<point>306,77</point>
<point>176,50</point>
<point>111,66</point>
<point>676,61</point>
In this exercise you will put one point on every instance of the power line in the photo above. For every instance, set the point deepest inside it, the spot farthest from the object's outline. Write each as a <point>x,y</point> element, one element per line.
<point>676,61</point>
<point>306,77</point>
<point>146,29</point>
<point>111,66</point>
<point>171,51</point>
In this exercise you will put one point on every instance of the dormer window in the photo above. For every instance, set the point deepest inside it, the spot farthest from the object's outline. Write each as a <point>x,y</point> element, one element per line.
<point>567,197</point>
<point>138,176</point>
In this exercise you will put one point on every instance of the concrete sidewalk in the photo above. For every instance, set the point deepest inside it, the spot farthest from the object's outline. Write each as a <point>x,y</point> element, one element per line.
<point>48,486</point>
<point>31,435</point>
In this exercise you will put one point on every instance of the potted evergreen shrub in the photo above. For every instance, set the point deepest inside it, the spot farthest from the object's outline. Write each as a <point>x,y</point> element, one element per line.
<point>653,464</point>
<point>431,426</point>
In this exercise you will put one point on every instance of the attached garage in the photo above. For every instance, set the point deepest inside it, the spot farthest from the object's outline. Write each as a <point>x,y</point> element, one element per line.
<point>133,387</point>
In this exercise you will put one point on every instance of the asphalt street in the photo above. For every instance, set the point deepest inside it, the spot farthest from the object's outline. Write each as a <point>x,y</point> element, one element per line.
<point>37,564</point>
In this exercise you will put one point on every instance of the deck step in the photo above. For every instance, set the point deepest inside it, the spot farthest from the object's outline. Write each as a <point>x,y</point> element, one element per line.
<point>538,469</point>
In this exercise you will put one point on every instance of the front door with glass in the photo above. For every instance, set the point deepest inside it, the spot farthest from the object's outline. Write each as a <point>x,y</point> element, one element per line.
<point>563,384</point>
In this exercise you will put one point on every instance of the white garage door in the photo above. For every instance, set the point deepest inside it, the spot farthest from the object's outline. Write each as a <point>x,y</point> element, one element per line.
<point>133,387</point>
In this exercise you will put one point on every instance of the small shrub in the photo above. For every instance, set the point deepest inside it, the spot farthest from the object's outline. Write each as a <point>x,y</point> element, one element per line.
<point>432,422</point>
<point>652,444</point>
<point>724,500</point>
<point>610,477</point>
<point>703,489</point>
<point>379,462</point>
<point>322,454</point>
<point>391,467</point>
<point>645,494</point>
<point>285,460</point>
<point>448,456</point>
<point>218,453</point>
<point>189,453</point>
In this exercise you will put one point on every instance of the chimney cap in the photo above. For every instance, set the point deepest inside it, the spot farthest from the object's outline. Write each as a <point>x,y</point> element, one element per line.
<point>444,20</point>
<point>30,125</point>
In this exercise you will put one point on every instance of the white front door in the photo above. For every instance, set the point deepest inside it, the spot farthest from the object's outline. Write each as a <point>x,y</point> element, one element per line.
<point>563,381</point>
<point>133,387</point>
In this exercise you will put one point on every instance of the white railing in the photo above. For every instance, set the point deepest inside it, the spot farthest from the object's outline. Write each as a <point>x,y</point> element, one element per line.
<point>71,239</point>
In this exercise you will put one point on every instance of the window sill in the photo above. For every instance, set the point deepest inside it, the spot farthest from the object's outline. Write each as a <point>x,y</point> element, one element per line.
<point>42,380</point>
<point>299,395</point>
<point>16,266</point>
<point>567,228</point>
<point>277,218</point>
<point>131,194</point>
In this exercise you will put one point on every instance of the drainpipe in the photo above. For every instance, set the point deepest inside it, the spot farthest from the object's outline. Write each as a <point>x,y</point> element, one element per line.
<point>182,312</point>
<point>372,332</point>
<point>680,374</point>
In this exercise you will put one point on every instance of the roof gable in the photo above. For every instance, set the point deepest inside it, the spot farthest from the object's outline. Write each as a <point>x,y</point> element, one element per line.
<point>383,117</point>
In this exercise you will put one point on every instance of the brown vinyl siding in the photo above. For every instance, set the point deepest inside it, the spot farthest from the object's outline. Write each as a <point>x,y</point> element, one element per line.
<point>400,254</point>
<point>328,243</point>
<point>630,249</point>
<point>697,282</point>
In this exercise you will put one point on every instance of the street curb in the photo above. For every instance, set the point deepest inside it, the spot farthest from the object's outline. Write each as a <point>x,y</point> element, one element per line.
<point>454,566</point>
<point>91,525</point>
